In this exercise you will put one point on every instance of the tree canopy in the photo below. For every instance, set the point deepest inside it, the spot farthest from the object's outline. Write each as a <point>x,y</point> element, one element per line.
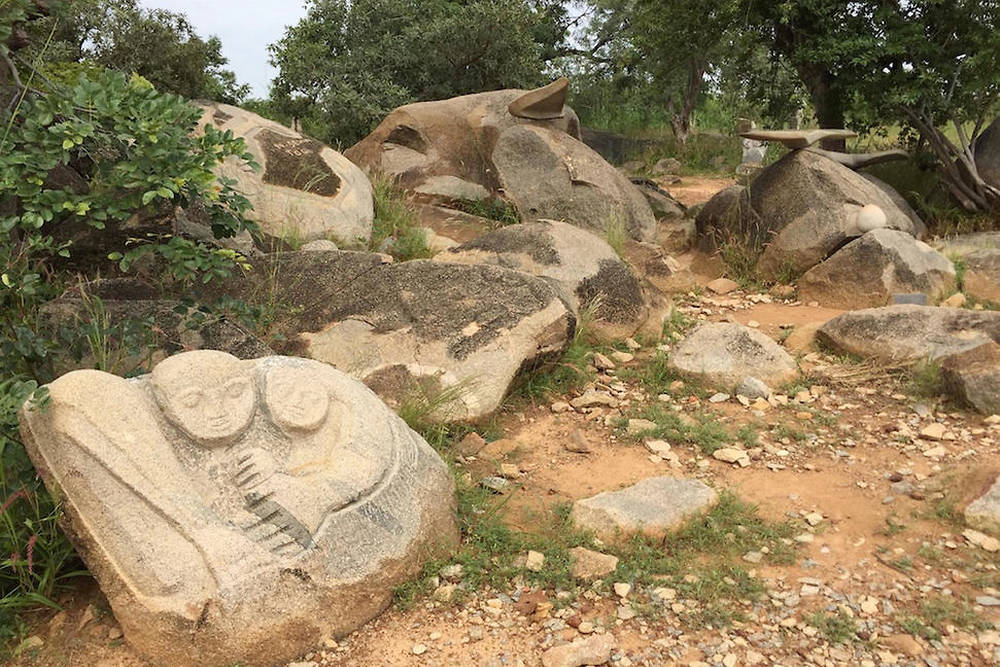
<point>161,46</point>
<point>345,65</point>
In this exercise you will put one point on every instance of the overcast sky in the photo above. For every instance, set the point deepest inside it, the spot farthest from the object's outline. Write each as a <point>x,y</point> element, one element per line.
<point>246,27</point>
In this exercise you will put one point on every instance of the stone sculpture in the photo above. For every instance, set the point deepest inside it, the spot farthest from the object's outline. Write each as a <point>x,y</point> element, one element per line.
<point>239,510</point>
<point>304,190</point>
<point>519,146</point>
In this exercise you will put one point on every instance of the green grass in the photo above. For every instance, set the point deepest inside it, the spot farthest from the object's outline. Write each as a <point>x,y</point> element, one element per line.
<point>706,433</point>
<point>939,611</point>
<point>709,548</point>
<point>924,380</point>
<point>616,235</point>
<point>498,210</point>
<point>838,628</point>
<point>396,222</point>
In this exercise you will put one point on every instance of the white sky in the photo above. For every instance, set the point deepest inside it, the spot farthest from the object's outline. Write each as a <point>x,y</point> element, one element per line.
<point>246,29</point>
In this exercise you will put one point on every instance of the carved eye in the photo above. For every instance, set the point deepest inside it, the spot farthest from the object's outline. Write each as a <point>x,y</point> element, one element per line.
<point>191,398</point>
<point>236,388</point>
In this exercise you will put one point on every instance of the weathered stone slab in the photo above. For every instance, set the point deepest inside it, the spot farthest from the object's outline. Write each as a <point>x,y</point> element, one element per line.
<point>973,377</point>
<point>239,511</point>
<point>909,333</point>
<point>582,266</point>
<point>304,190</point>
<point>868,271</point>
<point>722,354</point>
<point>458,333</point>
<point>652,507</point>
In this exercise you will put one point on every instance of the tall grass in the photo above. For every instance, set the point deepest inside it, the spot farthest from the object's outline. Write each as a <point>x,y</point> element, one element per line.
<point>396,222</point>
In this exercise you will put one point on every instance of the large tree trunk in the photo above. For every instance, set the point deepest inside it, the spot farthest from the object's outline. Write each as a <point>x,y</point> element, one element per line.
<point>828,102</point>
<point>822,84</point>
<point>680,117</point>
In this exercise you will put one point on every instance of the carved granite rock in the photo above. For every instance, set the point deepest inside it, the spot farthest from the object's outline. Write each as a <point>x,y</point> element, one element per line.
<point>520,146</point>
<point>239,510</point>
<point>304,190</point>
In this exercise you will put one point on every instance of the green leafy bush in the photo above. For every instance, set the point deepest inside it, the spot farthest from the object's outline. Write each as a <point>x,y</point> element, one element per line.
<point>93,153</point>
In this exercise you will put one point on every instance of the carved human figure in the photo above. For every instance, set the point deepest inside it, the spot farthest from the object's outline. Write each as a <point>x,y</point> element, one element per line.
<point>124,463</point>
<point>321,473</point>
<point>209,395</point>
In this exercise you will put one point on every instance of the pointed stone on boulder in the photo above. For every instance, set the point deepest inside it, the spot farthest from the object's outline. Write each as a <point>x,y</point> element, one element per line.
<point>543,103</point>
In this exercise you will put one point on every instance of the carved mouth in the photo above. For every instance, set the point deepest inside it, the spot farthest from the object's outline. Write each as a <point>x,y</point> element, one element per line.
<point>219,423</point>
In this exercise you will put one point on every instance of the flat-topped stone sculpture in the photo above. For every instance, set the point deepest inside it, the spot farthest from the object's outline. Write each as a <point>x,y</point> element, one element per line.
<point>239,510</point>
<point>796,139</point>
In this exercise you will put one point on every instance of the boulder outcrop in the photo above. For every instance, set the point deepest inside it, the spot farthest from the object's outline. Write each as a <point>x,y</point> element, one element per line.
<point>581,266</point>
<point>304,190</point>
<point>800,210</point>
<point>909,332</point>
<point>474,146</point>
<point>868,271</point>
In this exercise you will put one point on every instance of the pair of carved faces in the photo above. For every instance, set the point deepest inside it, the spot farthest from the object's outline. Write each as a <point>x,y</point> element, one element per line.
<point>212,397</point>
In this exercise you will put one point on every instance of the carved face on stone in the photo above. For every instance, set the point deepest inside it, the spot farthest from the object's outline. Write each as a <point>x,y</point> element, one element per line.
<point>209,395</point>
<point>296,401</point>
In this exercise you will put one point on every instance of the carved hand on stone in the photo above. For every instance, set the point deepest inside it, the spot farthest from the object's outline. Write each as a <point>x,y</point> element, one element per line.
<point>256,467</point>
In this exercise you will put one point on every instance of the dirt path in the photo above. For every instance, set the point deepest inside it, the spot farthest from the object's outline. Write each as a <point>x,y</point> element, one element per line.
<point>692,190</point>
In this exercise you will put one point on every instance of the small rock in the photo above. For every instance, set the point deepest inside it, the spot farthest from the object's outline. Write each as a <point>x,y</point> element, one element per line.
<point>535,561</point>
<point>723,286</point>
<point>602,363</point>
<point>592,650</point>
<point>452,572</point>
<point>640,426</point>
<point>471,444</point>
<point>813,518</point>
<point>936,452</point>
<point>988,601</point>
<point>622,357</point>
<point>622,589</point>
<point>753,388</point>
<point>496,484</point>
<point>933,431</point>
<point>593,399</point>
<point>509,471</point>
<point>753,557</point>
<point>904,644</point>
<point>658,447</point>
<point>419,649</point>
<point>588,564</point>
<point>719,398</point>
<point>577,443</point>
<point>731,455</point>
<point>954,301</point>
<point>560,407</point>
<point>981,540</point>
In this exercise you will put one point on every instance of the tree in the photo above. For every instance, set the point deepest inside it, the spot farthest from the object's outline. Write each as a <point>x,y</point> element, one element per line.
<point>161,46</point>
<point>667,48</point>
<point>922,64</point>
<point>345,65</point>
